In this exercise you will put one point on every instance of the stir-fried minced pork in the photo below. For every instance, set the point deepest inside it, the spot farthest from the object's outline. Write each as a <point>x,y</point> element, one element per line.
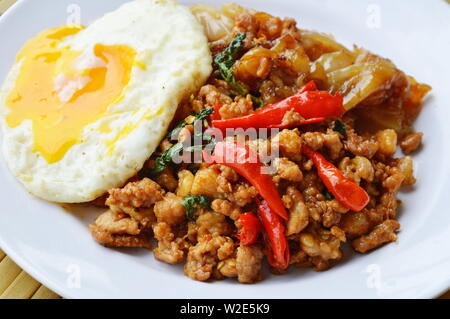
<point>210,216</point>
<point>206,254</point>
<point>249,263</point>
<point>382,233</point>
<point>115,229</point>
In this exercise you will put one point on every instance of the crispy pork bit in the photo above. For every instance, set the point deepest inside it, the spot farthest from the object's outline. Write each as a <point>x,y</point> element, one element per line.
<point>381,234</point>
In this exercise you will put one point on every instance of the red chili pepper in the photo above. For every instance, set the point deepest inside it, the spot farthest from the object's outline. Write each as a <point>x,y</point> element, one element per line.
<point>309,121</point>
<point>344,189</point>
<point>276,243</point>
<point>246,163</point>
<point>215,115</point>
<point>251,227</point>
<point>310,86</point>
<point>311,104</point>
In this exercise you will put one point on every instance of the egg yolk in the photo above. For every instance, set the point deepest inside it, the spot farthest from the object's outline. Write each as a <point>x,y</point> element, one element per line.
<point>62,91</point>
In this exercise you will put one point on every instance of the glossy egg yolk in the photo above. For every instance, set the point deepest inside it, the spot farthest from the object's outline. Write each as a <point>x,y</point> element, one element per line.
<point>62,91</point>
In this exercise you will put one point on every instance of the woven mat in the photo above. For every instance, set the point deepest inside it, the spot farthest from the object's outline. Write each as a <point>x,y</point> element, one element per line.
<point>16,283</point>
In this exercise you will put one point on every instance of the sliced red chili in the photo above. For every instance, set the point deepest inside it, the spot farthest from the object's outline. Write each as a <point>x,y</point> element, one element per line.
<point>309,121</point>
<point>215,115</point>
<point>344,189</point>
<point>250,228</point>
<point>246,163</point>
<point>310,103</point>
<point>277,246</point>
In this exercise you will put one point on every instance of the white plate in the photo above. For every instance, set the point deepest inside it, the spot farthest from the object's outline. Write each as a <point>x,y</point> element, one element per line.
<point>55,247</point>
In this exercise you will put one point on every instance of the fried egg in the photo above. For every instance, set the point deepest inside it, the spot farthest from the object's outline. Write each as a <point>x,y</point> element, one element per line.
<point>82,109</point>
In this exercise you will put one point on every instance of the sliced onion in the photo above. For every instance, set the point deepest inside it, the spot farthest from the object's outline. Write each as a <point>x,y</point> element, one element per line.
<point>216,24</point>
<point>358,81</point>
<point>316,44</point>
<point>335,60</point>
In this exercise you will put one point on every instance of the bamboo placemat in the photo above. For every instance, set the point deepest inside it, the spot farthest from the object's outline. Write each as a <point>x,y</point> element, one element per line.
<point>16,283</point>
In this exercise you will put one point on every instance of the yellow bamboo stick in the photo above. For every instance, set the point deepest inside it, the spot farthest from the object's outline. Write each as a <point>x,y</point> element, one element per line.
<point>5,4</point>
<point>2,255</point>
<point>8,272</point>
<point>23,287</point>
<point>45,293</point>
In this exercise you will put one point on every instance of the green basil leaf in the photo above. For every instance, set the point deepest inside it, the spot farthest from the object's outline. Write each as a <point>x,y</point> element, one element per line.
<point>197,117</point>
<point>339,127</point>
<point>225,62</point>
<point>327,195</point>
<point>191,203</point>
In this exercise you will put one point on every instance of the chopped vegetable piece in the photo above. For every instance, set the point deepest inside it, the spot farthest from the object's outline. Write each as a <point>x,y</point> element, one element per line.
<point>191,203</point>
<point>250,228</point>
<point>205,113</point>
<point>225,61</point>
<point>340,128</point>
<point>327,195</point>
<point>240,158</point>
<point>276,243</point>
<point>313,105</point>
<point>215,115</point>
<point>343,189</point>
<point>164,160</point>
<point>304,122</point>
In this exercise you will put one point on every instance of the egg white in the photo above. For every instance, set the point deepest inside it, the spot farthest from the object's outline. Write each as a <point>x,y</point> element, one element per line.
<point>174,61</point>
